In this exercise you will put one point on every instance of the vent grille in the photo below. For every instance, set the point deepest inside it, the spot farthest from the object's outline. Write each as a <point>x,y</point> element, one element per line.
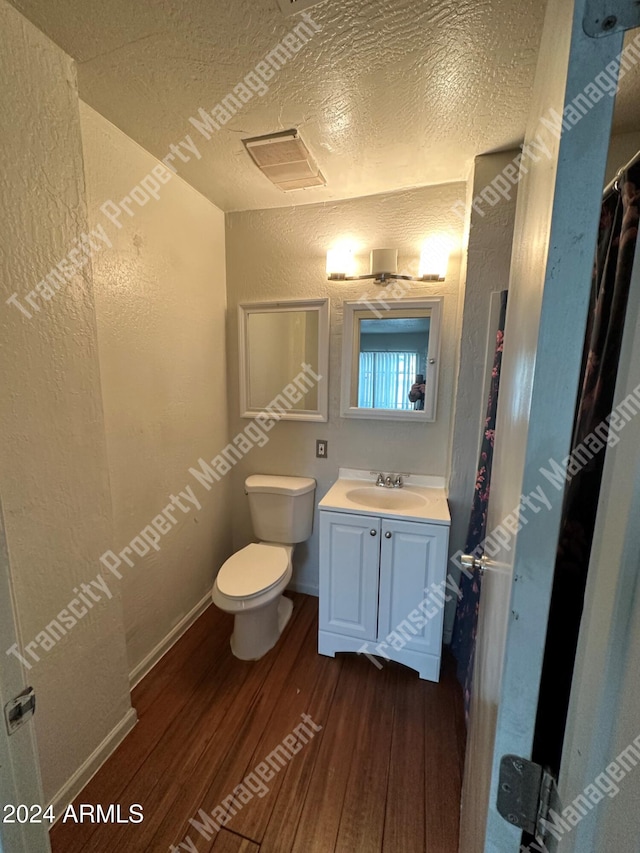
<point>285,160</point>
<point>292,7</point>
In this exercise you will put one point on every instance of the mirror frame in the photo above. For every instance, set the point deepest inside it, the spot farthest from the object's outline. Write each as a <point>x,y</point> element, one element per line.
<point>318,306</point>
<point>350,341</point>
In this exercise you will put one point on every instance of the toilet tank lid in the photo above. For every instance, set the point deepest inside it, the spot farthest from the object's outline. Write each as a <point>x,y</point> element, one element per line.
<point>279,485</point>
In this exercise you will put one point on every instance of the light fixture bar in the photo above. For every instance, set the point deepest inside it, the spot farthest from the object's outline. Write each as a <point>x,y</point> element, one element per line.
<point>376,276</point>
<point>384,264</point>
<point>382,277</point>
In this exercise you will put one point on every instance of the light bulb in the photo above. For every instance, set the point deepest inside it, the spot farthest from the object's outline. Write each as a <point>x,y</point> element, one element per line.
<point>434,258</point>
<point>340,262</point>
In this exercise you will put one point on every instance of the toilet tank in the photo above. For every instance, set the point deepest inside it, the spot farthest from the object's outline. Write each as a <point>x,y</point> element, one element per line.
<point>281,507</point>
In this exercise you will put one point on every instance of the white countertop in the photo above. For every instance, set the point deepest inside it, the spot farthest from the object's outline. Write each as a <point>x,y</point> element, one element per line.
<point>421,498</point>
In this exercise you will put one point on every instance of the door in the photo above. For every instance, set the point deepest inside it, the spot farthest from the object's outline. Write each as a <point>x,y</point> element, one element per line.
<point>350,560</point>
<point>19,769</point>
<point>554,242</point>
<point>412,562</point>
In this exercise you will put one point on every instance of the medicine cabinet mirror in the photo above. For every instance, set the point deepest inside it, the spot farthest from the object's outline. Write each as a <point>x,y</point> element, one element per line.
<point>390,359</point>
<point>277,339</point>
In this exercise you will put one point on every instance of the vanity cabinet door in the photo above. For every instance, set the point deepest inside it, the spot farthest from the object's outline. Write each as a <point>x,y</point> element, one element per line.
<point>349,561</point>
<point>413,562</point>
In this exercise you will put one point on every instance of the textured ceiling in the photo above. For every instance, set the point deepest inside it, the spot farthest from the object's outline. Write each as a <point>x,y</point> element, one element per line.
<point>387,95</point>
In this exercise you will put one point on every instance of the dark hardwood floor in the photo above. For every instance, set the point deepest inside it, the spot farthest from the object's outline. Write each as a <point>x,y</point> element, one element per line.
<point>383,773</point>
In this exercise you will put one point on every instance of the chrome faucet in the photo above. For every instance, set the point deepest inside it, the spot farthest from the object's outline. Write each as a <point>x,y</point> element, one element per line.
<point>389,481</point>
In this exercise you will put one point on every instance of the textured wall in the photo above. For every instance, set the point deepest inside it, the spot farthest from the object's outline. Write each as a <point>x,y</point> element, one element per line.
<point>160,303</point>
<point>53,464</point>
<point>280,254</point>
<point>488,261</point>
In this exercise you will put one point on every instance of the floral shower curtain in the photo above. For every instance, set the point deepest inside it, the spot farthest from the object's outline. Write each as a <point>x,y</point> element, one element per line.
<point>464,629</point>
<point>610,288</point>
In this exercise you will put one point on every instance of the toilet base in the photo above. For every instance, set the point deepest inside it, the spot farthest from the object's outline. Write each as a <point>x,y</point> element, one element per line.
<point>255,632</point>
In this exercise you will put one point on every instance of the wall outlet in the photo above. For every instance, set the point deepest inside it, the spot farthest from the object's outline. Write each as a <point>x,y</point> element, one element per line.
<point>321,448</point>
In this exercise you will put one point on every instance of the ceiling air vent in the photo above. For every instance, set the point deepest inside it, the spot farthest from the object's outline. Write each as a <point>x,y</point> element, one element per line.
<point>292,7</point>
<point>285,160</point>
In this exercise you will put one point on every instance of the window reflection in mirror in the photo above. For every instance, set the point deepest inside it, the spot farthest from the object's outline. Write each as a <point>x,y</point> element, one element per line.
<point>393,363</point>
<point>390,360</point>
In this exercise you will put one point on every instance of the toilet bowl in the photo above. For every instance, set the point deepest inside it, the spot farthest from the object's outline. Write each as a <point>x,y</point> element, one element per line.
<point>250,585</point>
<point>251,582</point>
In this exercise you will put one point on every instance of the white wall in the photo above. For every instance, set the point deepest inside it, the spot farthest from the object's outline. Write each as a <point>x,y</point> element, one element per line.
<point>487,270</point>
<point>53,460</point>
<point>281,254</point>
<point>160,304</point>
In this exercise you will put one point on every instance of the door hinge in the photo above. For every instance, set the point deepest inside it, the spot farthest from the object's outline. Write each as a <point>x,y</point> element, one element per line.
<point>20,709</point>
<point>526,791</point>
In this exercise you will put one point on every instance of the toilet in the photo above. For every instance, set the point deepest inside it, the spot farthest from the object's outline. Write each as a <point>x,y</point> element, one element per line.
<point>251,582</point>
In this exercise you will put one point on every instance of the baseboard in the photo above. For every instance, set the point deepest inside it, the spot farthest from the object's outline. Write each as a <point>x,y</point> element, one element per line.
<point>94,762</point>
<point>306,588</point>
<point>146,665</point>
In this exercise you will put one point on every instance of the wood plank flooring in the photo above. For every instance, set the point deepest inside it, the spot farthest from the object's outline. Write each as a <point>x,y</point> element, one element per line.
<point>383,775</point>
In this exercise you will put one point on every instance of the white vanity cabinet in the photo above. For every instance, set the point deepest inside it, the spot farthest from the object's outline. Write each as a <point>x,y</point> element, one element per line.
<point>382,588</point>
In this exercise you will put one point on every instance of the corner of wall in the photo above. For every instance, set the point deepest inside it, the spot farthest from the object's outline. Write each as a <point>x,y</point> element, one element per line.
<point>489,242</point>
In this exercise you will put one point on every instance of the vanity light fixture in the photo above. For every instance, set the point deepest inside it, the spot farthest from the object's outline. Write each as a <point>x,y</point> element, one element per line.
<point>384,264</point>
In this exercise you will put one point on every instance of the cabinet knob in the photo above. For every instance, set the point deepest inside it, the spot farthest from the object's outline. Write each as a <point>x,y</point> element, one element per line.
<point>373,532</point>
<point>387,535</point>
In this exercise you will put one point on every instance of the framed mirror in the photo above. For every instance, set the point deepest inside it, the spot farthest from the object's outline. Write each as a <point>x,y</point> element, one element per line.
<point>284,359</point>
<point>390,359</point>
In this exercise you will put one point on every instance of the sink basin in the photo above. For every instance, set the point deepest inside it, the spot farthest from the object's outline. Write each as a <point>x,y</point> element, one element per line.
<point>354,491</point>
<point>376,497</point>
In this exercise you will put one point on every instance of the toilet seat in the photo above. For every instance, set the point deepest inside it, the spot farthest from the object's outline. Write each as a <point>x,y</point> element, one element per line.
<point>253,570</point>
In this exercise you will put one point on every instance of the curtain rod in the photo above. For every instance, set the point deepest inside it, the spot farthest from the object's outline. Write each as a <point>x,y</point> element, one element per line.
<point>613,186</point>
